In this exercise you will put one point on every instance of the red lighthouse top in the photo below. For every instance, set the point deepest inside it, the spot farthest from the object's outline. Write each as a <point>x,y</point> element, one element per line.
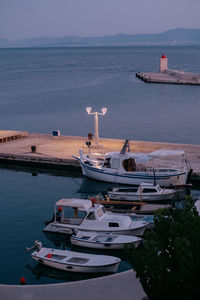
<point>163,56</point>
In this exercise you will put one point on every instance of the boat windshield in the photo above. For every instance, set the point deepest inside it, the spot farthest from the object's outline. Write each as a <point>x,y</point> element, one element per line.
<point>91,216</point>
<point>149,190</point>
<point>100,212</point>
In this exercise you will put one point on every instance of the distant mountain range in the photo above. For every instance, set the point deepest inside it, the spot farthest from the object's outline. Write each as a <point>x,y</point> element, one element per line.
<point>179,36</point>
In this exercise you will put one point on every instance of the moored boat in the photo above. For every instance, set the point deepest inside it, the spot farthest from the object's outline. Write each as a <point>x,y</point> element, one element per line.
<point>145,192</point>
<point>67,260</point>
<point>89,216</point>
<point>103,240</point>
<point>134,168</point>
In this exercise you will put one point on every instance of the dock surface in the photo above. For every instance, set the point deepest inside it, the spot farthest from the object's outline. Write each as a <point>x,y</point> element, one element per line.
<point>119,286</point>
<point>57,152</point>
<point>167,78</point>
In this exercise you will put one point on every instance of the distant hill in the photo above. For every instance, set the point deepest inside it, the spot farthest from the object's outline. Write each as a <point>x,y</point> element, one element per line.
<point>179,36</point>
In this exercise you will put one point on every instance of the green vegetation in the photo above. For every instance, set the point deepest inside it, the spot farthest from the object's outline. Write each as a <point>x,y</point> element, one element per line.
<point>168,262</point>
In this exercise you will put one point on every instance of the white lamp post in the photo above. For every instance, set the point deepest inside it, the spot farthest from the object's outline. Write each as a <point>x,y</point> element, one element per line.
<point>96,114</point>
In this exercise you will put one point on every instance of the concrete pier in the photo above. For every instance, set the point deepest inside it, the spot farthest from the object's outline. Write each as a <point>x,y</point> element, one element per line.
<point>166,75</point>
<point>56,153</point>
<point>167,78</point>
<point>119,286</point>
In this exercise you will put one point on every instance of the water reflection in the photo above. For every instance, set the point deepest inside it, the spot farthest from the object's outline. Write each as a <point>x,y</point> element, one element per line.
<point>91,186</point>
<point>37,170</point>
<point>40,271</point>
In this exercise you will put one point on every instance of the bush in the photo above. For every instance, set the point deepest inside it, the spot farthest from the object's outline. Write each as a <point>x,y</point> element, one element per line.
<point>168,263</point>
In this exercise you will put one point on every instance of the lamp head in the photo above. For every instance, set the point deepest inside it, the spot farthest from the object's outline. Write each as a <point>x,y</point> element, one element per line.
<point>104,110</point>
<point>88,109</point>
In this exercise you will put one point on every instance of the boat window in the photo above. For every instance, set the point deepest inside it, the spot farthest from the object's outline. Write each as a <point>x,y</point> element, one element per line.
<point>113,224</point>
<point>126,190</point>
<point>107,163</point>
<point>159,188</point>
<point>91,216</point>
<point>149,190</point>
<point>103,209</point>
<point>129,164</point>
<point>114,163</point>
<point>99,212</point>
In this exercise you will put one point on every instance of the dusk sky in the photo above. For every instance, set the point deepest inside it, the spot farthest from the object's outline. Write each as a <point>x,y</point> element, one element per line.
<point>57,18</point>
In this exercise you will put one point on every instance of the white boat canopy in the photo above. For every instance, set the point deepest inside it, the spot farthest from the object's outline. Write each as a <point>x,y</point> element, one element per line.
<point>165,153</point>
<point>142,157</point>
<point>139,157</point>
<point>79,203</point>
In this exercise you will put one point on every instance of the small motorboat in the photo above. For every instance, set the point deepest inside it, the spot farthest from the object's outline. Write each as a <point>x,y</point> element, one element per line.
<point>145,192</point>
<point>103,241</point>
<point>86,215</point>
<point>71,261</point>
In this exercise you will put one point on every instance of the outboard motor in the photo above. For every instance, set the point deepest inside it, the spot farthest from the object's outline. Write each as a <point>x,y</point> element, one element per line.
<point>38,246</point>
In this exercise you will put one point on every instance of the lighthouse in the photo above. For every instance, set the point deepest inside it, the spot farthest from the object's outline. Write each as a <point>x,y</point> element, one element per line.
<point>163,63</point>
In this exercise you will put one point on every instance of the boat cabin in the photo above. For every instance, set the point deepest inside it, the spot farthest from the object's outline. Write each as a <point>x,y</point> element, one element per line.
<point>144,188</point>
<point>86,213</point>
<point>125,162</point>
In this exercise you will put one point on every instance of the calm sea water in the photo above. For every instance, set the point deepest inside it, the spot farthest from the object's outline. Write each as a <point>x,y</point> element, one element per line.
<point>46,89</point>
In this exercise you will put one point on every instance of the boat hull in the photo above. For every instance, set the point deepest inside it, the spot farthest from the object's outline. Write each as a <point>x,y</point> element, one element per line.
<point>67,229</point>
<point>146,198</point>
<point>134,178</point>
<point>95,245</point>
<point>70,261</point>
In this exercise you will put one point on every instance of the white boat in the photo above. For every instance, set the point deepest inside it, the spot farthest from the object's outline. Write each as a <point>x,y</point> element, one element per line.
<point>103,240</point>
<point>145,192</point>
<point>134,168</point>
<point>197,205</point>
<point>81,214</point>
<point>71,261</point>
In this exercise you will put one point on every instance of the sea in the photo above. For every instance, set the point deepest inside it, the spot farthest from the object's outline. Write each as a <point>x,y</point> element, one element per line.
<point>46,89</point>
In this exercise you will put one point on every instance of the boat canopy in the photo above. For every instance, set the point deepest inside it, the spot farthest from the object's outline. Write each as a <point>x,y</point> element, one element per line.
<point>139,157</point>
<point>142,157</point>
<point>165,152</point>
<point>79,203</point>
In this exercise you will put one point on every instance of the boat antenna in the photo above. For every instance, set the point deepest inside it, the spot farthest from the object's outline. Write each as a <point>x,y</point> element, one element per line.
<point>125,147</point>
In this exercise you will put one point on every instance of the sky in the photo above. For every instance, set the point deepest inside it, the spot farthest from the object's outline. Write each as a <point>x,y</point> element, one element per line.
<point>57,18</point>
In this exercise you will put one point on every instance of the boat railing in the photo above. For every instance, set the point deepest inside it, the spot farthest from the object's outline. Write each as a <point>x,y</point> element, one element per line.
<point>167,165</point>
<point>92,153</point>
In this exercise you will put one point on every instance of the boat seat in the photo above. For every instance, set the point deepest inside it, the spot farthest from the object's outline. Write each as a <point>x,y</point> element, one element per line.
<point>78,260</point>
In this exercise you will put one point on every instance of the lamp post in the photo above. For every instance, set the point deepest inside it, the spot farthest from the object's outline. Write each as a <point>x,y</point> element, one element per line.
<point>96,125</point>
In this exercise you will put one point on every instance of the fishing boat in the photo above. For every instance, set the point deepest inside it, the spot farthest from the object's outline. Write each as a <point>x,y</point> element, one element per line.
<point>67,260</point>
<point>130,168</point>
<point>103,240</point>
<point>145,192</point>
<point>71,215</point>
